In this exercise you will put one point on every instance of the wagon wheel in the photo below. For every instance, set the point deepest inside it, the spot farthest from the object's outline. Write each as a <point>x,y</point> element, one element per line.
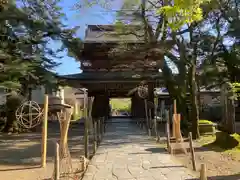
<point>29,115</point>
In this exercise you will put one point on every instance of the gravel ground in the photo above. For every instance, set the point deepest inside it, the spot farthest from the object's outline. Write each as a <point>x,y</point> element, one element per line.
<point>20,155</point>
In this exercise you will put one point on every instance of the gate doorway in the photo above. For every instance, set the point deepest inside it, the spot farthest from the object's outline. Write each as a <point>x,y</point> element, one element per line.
<point>120,107</point>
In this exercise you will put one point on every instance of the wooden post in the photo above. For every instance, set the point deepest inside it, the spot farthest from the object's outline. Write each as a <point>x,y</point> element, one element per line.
<point>94,136</point>
<point>174,118</point>
<point>99,131</point>
<point>203,174</point>
<point>155,119</point>
<point>150,123</point>
<point>57,163</point>
<point>86,126</point>
<point>167,132</point>
<point>178,134</point>
<point>192,151</point>
<point>102,119</point>
<point>156,129</point>
<point>146,113</point>
<point>162,108</point>
<point>174,106</point>
<point>44,131</point>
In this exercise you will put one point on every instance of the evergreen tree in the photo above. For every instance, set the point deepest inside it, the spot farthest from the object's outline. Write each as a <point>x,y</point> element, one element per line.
<point>26,28</point>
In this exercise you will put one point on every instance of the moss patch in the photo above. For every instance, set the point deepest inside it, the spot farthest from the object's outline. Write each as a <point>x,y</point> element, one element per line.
<point>236,137</point>
<point>205,140</point>
<point>223,142</point>
<point>203,121</point>
<point>206,126</point>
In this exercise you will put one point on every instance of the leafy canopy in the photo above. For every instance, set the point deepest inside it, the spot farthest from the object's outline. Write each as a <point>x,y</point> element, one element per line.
<point>182,12</point>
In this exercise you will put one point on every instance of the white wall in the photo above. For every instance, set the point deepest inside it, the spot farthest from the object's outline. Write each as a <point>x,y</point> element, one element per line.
<point>38,94</point>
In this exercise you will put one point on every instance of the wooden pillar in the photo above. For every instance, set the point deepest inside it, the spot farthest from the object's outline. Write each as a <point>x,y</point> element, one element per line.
<point>107,103</point>
<point>139,107</point>
<point>135,107</point>
<point>151,97</point>
<point>99,108</point>
<point>162,108</point>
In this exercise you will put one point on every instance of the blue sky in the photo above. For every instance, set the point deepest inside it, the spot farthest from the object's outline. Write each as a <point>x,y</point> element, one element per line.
<point>81,17</point>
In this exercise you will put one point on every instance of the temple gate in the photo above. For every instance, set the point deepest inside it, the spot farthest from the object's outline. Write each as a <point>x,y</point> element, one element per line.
<point>106,76</point>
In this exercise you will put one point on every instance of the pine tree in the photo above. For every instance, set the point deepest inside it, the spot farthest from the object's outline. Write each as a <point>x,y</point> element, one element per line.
<point>26,59</point>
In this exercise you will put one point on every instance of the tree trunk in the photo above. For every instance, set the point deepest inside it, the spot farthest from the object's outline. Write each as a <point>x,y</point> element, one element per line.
<point>175,91</point>
<point>11,123</point>
<point>194,102</point>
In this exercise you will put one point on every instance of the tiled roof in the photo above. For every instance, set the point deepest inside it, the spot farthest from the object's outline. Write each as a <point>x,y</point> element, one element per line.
<point>108,33</point>
<point>161,91</point>
<point>111,76</point>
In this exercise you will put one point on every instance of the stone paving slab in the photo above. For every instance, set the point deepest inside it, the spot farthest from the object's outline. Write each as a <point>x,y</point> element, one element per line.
<point>127,153</point>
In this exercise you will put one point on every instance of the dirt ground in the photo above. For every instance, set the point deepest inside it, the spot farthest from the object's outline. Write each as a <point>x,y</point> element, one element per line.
<point>220,165</point>
<point>20,155</point>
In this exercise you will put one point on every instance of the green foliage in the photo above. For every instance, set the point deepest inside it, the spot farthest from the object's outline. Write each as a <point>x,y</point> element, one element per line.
<point>182,12</point>
<point>26,30</point>
<point>13,101</point>
<point>121,104</point>
<point>235,87</point>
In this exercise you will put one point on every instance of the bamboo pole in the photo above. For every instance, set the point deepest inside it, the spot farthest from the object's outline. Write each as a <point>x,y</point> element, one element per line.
<point>57,163</point>
<point>192,152</point>
<point>44,131</point>
<point>203,174</point>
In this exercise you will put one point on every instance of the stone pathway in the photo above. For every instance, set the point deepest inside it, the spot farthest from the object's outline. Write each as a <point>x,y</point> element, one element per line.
<point>127,153</point>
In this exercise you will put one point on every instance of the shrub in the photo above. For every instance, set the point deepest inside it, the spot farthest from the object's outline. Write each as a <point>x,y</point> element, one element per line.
<point>14,100</point>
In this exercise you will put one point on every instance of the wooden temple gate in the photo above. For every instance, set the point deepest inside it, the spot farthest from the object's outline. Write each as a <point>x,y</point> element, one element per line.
<point>107,76</point>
